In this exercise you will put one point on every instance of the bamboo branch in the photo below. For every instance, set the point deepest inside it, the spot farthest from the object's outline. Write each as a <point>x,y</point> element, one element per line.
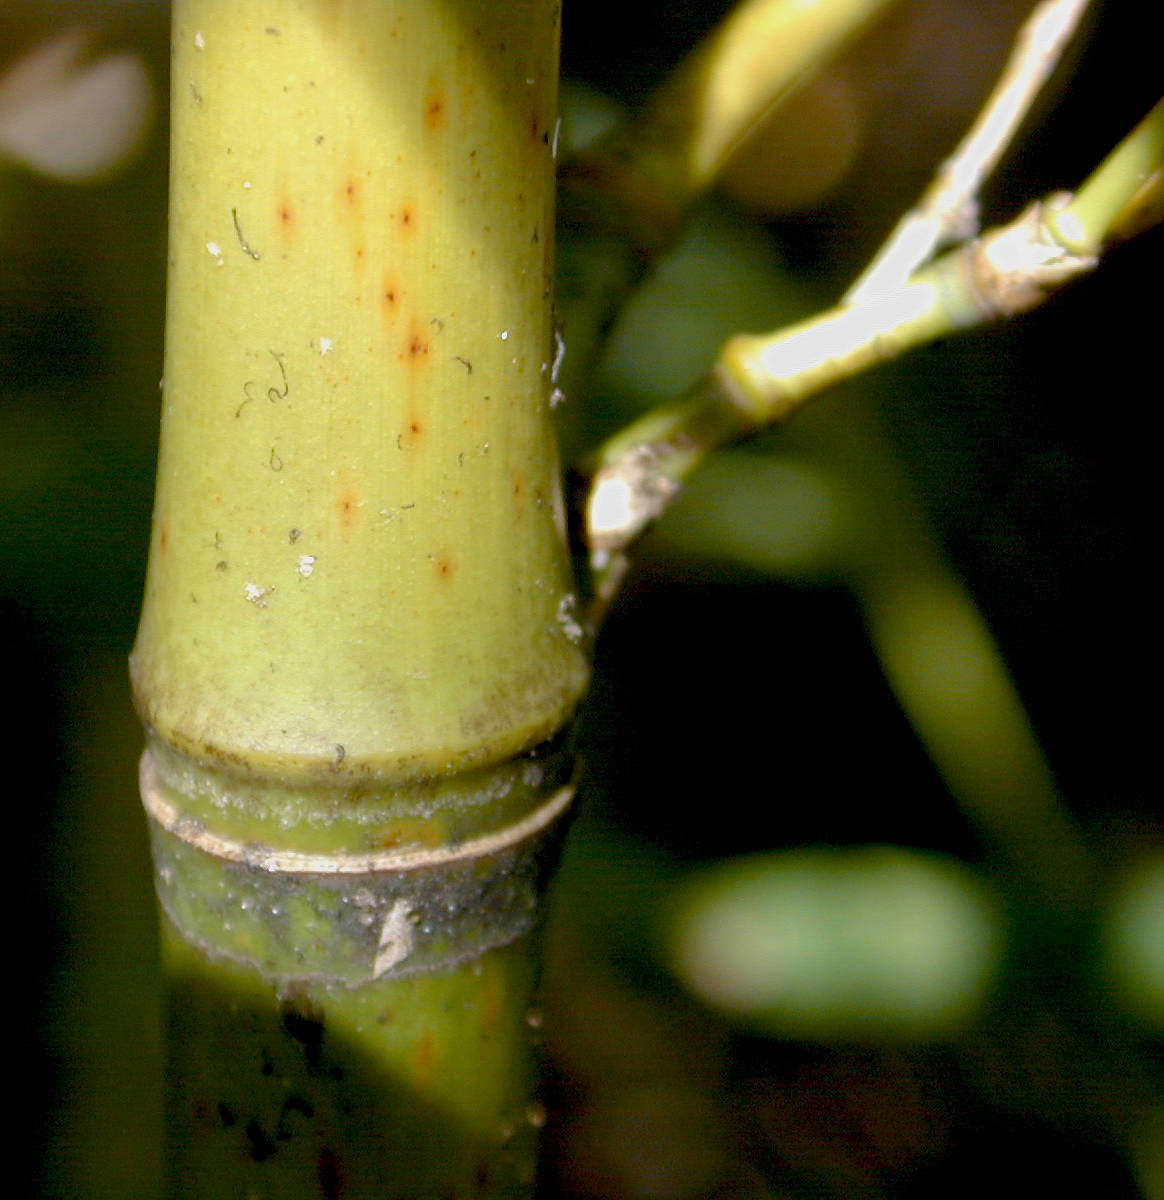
<point>948,212</point>
<point>759,381</point>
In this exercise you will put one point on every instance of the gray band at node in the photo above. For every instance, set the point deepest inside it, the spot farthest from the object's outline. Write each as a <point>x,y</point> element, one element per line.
<point>349,918</point>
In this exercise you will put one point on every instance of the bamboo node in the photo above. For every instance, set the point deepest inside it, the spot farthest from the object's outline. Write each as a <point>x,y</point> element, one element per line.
<point>349,918</point>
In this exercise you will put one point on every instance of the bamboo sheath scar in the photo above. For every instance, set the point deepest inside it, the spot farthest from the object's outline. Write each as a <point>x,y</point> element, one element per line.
<point>357,661</point>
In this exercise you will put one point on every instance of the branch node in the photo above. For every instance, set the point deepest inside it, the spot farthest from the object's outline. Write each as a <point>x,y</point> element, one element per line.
<point>1015,268</point>
<point>625,498</point>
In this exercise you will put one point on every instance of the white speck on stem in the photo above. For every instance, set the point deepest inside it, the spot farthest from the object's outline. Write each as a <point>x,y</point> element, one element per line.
<point>395,943</point>
<point>325,344</point>
<point>305,564</point>
<point>216,252</point>
<point>199,41</point>
<point>504,335</point>
<point>570,626</point>
<point>257,595</point>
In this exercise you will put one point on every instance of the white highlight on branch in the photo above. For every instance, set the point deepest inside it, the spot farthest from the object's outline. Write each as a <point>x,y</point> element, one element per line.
<point>625,498</point>
<point>852,328</point>
<point>948,212</point>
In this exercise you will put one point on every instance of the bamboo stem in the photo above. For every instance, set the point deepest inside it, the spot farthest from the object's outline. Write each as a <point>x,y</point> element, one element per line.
<point>356,659</point>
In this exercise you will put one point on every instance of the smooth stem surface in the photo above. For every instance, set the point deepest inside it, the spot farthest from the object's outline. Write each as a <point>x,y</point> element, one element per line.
<point>1098,213</point>
<point>357,656</point>
<point>355,458</point>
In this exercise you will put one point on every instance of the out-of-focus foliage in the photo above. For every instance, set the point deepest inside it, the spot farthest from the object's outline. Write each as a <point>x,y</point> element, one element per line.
<point>72,120</point>
<point>876,942</point>
<point>1134,942</point>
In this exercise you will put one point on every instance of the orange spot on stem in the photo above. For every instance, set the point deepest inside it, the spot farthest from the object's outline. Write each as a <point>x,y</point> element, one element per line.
<point>415,348</point>
<point>434,108</point>
<point>426,1059</point>
<point>286,218</point>
<point>348,504</point>
<point>410,434</point>
<point>492,1003</point>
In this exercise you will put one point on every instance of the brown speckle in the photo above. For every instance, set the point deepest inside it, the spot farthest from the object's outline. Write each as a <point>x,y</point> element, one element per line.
<point>348,505</point>
<point>426,1059</point>
<point>410,435</point>
<point>492,1003</point>
<point>434,108</point>
<point>444,567</point>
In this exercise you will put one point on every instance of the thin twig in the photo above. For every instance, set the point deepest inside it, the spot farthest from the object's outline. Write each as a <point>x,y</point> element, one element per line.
<point>948,212</point>
<point>759,381</point>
